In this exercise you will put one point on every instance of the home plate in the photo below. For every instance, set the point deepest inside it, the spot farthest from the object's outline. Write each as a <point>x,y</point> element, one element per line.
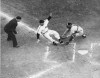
<point>83,52</point>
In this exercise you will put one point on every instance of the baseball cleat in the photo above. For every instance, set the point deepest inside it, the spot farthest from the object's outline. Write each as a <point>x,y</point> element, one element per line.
<point>54,43</point>
<point>38,41</point>
<point>66,43</point>
<point>84,36</point>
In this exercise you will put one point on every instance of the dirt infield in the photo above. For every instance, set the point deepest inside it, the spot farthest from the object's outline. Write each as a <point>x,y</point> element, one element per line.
<point>28,60</point>
<point>44,60</point>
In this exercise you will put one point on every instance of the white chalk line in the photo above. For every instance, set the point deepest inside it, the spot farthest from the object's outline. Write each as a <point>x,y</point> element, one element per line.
<point>55,66</point>
<point>46,55</point>
<point>37,75</point>
<point>34,30</point>
<point>74,52</point>
<point>90,55</point>
<point>21,23</point>
<point>92,47</point>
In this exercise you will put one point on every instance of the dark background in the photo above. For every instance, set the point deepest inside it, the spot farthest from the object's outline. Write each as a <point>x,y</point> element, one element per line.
<point>67,9</point>
<point>27,60</point>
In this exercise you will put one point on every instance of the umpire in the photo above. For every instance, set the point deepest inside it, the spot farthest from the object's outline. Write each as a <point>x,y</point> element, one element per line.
<point>10,29</point>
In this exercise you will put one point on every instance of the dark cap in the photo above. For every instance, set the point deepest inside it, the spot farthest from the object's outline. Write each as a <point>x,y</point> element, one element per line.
<point>69,23</point>
<point>41,21</point>
<point>18,17</point>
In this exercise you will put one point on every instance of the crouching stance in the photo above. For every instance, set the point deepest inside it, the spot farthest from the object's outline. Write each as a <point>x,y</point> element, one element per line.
<point>74,31</point>
<point>43,30</point>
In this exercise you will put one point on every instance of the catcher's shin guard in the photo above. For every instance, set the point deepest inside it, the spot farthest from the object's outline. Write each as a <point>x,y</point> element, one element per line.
<point>71,38</point>
<point>60,41</point>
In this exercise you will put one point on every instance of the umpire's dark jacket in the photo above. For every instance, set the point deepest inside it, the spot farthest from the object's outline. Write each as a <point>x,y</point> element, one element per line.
<point>11,26</point>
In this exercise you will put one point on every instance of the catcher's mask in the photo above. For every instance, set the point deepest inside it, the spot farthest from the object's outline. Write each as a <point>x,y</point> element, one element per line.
<point>69,25</point>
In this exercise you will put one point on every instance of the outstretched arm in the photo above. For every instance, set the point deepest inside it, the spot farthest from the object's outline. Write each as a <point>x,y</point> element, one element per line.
<point>46,21</point>
<point>50,16</point>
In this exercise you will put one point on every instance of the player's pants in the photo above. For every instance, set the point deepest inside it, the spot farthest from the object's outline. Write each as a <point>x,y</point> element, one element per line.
<point>54,33</point>
<point>11,36</point>
<point>80,33</point>
<point>76,34</point>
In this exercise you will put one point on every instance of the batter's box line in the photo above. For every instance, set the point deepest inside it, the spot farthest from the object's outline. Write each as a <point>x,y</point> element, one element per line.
<point>74,52</point>
<point>48,52</point>
<point>90,55</point>
<point>46,71</point>
<point>45,58</point>
<point>92,45</point>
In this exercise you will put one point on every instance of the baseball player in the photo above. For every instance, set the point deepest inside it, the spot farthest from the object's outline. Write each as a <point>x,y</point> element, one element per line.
<point>43,30</point>
<point>74,31</point>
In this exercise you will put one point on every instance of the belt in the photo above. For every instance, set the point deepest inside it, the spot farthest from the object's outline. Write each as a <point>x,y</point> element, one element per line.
<point>45,32</point>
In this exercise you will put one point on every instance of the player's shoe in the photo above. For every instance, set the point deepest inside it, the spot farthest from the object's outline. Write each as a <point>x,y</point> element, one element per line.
<point>84,36</point>
<point>60,41</point>
<point>66,43</point>
<point>54,43</point>
<point>16,46</point>
<point>38,41</point>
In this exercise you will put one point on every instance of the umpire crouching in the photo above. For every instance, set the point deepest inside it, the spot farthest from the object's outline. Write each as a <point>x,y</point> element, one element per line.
<point>10,29</point>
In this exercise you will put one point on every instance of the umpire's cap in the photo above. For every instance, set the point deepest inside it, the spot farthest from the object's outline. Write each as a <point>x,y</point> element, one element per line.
<point>41,21</point>
<point>18,17</point>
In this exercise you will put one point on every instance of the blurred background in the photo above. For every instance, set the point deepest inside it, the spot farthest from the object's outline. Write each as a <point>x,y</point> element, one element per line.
<point>67,9</point>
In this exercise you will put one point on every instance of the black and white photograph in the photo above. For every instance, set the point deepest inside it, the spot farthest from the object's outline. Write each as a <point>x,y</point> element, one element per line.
<point>50,38</point>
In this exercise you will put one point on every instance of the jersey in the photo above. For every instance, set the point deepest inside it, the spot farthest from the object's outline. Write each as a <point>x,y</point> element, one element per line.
<point>75,29</point>
<point>43,29</point>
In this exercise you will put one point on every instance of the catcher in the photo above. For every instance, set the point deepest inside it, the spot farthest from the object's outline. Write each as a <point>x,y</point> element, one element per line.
<point>73,31</point>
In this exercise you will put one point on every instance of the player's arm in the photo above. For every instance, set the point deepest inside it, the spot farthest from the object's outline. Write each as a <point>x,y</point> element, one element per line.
<point>65,33</point>
<point>46,21</point>
<point>50,16</point>
<point>70,34</point>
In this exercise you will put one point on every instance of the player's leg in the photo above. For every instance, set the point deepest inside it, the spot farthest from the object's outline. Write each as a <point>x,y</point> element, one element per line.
<point>13,37</point>
<point>81,33</point>
<point>47,35</point>
<point>57,36</point>
<point>71,38</point>
<point>9,37</point>
<point>38,37</point>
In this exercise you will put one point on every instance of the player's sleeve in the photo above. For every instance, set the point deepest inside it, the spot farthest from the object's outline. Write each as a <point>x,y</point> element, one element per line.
<point>46,22</point>
<point>49,18</point>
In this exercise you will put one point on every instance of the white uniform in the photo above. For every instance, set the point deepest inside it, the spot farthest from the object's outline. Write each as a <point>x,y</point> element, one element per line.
<point>77,29</point>
<point>43,30</point>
